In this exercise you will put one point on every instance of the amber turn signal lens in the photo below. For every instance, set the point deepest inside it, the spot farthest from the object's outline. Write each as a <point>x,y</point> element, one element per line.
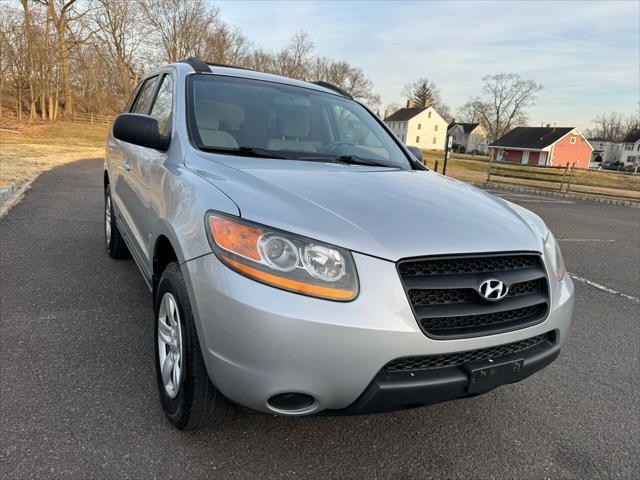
<point>236,237</point>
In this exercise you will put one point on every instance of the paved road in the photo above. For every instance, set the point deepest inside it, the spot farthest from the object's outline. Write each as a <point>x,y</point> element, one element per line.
<point>78,396</point>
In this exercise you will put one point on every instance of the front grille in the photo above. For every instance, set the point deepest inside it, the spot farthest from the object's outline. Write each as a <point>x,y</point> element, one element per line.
<point>440,297</point>
<point>411,364</point>
<point>465,321</point>
<point>443,293</point>
<point>456,266</point>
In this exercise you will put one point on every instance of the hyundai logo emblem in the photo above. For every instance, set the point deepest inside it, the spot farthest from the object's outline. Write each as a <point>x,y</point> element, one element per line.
<point>493,290</point>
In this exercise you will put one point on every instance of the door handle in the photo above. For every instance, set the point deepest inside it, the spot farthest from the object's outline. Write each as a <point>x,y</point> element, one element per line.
<point>127,165</point>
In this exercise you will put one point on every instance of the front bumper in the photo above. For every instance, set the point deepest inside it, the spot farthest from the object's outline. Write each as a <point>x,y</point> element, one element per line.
<point>258,341</point>
<point>399,390</point>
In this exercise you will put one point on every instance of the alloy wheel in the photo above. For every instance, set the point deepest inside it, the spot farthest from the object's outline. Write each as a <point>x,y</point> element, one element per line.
<point>107,218</point>
<point>170,352</point>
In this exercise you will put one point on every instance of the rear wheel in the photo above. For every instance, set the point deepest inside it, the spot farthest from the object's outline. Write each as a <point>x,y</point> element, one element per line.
<point>189,399</point>
<point>114,243</point>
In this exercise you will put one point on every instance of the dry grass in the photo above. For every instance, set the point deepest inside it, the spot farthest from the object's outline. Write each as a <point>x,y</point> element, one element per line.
<point>40,147</point>
<point>37,148</point>
<point>474,169</point>
<point>469,168</point>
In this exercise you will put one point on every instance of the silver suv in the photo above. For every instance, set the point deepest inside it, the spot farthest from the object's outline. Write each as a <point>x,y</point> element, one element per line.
<point>302,261</point>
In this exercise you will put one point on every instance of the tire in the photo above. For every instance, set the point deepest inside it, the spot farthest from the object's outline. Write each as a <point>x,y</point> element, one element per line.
<point>195,404</point>
<point>114,243</point>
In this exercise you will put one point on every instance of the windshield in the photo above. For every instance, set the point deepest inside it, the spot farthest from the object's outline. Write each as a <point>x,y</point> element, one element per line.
<point>268,119</point>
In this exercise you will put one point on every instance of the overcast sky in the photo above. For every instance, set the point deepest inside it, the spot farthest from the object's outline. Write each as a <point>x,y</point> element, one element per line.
<point>585,53</point>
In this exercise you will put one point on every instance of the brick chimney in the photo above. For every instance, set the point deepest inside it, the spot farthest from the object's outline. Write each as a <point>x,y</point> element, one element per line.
<point>427,103</point>
<point>410,103</point>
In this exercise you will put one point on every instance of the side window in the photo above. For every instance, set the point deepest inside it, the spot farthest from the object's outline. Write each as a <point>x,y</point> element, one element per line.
<point>143,102</point>
<point>133,97</point>
<point>163,106</point>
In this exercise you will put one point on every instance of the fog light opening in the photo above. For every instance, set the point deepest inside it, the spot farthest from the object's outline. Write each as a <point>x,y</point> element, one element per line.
<point>291,402</point>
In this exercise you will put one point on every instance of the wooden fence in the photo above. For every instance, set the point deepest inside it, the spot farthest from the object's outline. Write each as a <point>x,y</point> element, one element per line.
<point>566,179</point>
<point>93,118</point>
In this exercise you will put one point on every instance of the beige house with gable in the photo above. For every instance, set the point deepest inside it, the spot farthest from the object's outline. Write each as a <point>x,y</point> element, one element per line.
<point>421,127</point>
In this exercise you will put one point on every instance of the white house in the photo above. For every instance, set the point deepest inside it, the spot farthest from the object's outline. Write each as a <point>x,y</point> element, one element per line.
<point>603,151</point>
<point>421,127</point>
<point>471,136</point>
<point>630,148</point>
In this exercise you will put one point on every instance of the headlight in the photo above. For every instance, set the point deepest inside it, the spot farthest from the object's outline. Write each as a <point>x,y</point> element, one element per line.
<point>282,259</point>
<point>555,255</point>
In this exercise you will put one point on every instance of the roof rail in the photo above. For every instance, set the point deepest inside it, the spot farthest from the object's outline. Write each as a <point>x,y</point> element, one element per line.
<point>229,66</point>
<point>330,86</point>
<point>198,65</point>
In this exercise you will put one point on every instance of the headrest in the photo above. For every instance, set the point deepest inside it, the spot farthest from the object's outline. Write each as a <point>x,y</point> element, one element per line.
<point>207,116</point>
<point>232,115</point>
<point>296,124</point>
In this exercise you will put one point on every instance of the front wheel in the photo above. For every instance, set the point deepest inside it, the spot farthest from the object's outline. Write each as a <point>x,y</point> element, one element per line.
<point>188,398</point>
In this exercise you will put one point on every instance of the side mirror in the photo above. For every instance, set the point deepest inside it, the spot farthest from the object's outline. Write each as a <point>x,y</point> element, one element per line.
<point>416,152</point>
<point>142,130</point>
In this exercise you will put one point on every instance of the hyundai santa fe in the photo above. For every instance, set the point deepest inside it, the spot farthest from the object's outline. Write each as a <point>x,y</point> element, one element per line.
<point>303,261</point>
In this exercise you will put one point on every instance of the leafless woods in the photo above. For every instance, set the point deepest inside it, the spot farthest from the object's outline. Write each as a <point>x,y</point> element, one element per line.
<point>62,56</point>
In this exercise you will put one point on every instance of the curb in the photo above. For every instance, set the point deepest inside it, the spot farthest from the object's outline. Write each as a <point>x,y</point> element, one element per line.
<point>6,193</point>
<point>550,193</point>
<point>12,194</point>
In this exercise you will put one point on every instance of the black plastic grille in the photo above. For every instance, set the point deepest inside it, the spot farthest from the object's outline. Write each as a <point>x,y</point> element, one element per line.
<point>459,310</point>
<point>448,323</point>
<point>524,288</point>
<point>441,297</point>
<point>409,364</point>
<point>454,266</point>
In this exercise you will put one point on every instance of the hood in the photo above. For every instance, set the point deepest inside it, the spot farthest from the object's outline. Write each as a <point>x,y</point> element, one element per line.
<point>391,214</point>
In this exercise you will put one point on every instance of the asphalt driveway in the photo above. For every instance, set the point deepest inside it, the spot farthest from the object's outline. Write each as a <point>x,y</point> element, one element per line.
<point>78,396</point>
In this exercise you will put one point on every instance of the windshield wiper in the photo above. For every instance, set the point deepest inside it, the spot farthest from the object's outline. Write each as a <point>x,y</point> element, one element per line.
<point>355,160</point>
<point>245,151</point>
<point>346,159</point>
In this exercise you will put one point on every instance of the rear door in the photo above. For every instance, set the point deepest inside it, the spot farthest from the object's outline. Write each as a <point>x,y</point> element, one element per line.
<point>153,173</point>
<point>129,185</point>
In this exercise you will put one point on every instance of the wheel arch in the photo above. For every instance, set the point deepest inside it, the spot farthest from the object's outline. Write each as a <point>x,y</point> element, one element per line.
<point>164,253</point>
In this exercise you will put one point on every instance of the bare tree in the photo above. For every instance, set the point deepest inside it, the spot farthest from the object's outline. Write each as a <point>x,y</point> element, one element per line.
<point>14,58</point>
<point>609,126</point>
<point>227,45</point>
<point>294,60</point>
<point>345,76</point>
<point>391,108</point>
<point>503,105</point>
<point>423,92</point>
<point>119,34</point>
<point>181,26</point>
<point>260,60</point>
<point>63,14</point>
<point>613,126</point>
<point>87,55</point>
